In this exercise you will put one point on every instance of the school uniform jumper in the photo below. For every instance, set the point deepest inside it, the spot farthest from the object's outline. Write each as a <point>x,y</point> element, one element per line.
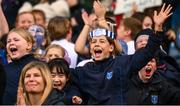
<point>13,71</point>
<point>157,91</point>
<point>55,98</point>
<point>2,82</point>
<point>105,82</point>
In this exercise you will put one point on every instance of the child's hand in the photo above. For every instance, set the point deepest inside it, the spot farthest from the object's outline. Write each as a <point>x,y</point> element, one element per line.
<point>86,19</point>
<point>76,100</point>
<point>160,17</point>
<point>99,10</point>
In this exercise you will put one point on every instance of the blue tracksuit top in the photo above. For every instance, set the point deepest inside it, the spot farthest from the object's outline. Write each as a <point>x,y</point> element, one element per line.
<point>105,82</point>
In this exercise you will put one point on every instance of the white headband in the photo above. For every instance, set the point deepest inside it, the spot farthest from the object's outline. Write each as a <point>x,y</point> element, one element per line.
<point>100,32</point>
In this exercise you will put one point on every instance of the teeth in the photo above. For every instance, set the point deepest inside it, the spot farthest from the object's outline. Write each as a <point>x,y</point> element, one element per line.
<point>57,84</point>
<point>148,69</point>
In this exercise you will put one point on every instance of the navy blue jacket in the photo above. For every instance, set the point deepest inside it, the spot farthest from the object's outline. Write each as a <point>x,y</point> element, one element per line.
<point>13,71</point>
<point>55,98</point>
<point>2,82</point>
<point>104,82</point>
<point>69,91</point>
<point>156,92</point>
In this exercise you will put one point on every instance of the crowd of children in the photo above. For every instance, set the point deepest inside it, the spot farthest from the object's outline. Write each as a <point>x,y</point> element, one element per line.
<point>125,64</point>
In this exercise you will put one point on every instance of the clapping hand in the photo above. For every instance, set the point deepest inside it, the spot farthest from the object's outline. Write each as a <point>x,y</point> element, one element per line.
<point>20,97</point>
<point>99,10</point>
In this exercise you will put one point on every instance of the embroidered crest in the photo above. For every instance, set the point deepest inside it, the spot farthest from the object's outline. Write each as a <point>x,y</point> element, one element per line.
<point>154,99</point>
<point>109,75</point>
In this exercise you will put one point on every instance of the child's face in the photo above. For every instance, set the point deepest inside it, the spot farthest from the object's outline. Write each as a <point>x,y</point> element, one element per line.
<point>17,46</point>
<point>25,21</point>
<point>100,48</point>
<point>59,80</point>
<point>121,31</point>
<point>148,71</point>
<point>40,20</point>
<point>54,53</point>
<point>147,23</point>
<point>141,41</point>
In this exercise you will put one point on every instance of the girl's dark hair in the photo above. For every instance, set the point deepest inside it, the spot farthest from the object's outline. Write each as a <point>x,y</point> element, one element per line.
<point>61,66</point>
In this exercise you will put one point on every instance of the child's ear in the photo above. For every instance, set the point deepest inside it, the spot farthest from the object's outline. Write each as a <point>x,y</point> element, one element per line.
<point>29,46</point>
<point>111,48</point>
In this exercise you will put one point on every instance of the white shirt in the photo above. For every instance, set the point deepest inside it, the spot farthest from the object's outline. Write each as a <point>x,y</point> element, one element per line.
<point>82,63</point>
<point>131,47</point>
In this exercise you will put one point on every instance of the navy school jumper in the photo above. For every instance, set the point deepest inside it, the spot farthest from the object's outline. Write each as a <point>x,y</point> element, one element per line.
<point>105,82</point>
<point>13,71</point>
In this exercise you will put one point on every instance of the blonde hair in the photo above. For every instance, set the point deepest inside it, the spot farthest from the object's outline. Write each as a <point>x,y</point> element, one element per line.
<point>24,34</point>
<point>55,46</point>
<point>45,72</point>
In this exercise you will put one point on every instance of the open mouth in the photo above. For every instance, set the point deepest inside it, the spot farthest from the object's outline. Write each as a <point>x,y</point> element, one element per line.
<point>56,85</point>
<point>13,49</point>
<point>148,71</point>
<point>98,52</point>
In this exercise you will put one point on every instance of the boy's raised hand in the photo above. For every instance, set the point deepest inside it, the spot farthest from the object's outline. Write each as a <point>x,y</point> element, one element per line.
<point>87,20</point>
<point>160,17</point>
<point>99,9</point>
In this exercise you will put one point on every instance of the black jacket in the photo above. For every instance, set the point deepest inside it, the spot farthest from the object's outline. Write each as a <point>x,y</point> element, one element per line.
<point>169,69</point>
<point>156,92</point>
<point>55,98</point>
<point>13,71</point>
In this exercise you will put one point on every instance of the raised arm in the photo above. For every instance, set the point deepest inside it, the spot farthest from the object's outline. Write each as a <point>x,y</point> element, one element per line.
<point>80,44</point>
<point>3,22</point>
<point>141,57</point>
<point>100,12</point>
<point>159,18</point>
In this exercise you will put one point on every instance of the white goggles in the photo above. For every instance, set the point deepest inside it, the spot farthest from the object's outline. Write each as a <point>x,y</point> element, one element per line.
<point>101,32</point>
